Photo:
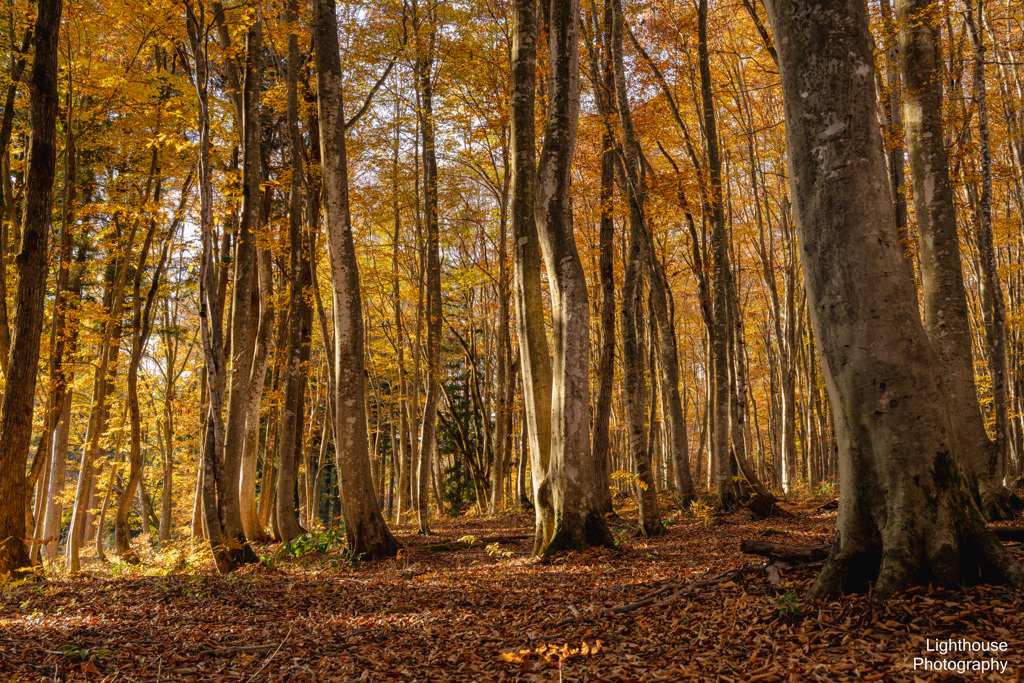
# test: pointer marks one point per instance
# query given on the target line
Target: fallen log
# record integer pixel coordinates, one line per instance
(786, 553)
(465, 542)
(1009, 533)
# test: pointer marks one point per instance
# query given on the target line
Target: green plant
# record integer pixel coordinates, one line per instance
(459, 492)
(82, 653)
(313, 542)
(788, 605)
(825, 490)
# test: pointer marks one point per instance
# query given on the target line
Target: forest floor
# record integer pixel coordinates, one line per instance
(476, 611)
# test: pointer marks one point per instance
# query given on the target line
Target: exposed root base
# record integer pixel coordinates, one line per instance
(592, 532)
(763, 507)
(383, 544)
(645, 531)
(1000, 504)
(981, 559)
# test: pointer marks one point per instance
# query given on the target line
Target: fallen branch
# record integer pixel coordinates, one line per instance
(476, 542)
(679, 591)
(265, 663)
(787, 553)
(234, 649)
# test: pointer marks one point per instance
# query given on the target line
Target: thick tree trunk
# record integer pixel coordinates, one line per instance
(364, 525)
(19, 389)
(905, 516)
(579, 521)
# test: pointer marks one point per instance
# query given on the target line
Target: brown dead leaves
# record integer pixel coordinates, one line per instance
(473, 613)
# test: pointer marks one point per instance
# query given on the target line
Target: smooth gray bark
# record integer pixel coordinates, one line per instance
(365, 528)
(905, 515)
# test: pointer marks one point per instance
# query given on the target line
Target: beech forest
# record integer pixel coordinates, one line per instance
(506, 340)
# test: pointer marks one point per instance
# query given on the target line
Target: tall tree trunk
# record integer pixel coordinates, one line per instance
(579, 521)
(219, 491)
(19, 389)
(506, 384)
(58, 469)
(139, 336)
(905, 515)
(533, 344)
(724, 485)
(365, 528)
(287, 520)
(254, 531)
(946, 318)
(428, 428)
(606, 267)
(894, 107)
(109, 350)
(631, 180)
(993, 302)
(65, 329)
(241, 354)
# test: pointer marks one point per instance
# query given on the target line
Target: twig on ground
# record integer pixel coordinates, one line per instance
(258, 671)
(232, 649)
(678, 590)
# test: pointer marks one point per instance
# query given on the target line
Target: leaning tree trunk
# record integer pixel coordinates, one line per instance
(365, 529)
(20, 388)
(579, 518)
(533, 344)
(905, 515)
(946, 318)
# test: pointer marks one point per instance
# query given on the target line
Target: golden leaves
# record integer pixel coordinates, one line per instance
(553, 653)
